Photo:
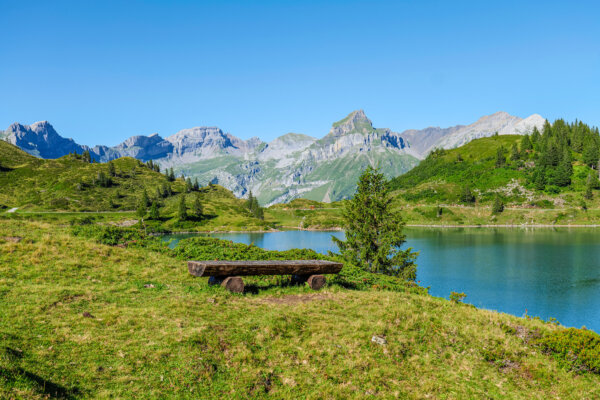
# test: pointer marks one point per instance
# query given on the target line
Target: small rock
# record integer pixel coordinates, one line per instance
(14, 239)
(211, 300)
(87, 315)
(148, 285)
(379, 340)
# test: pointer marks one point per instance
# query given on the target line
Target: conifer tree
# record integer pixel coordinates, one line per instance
(514, 152)
(374, 231)
(466, 195)
(498, 205)
(196, 185)
(197, 207)
(145, 198)
(189, 186)
(141, 209)
(154, 214)
(500, 159)
(182, 209)
(526, 144)
(590, 153)
(86, 157)
(111, 169)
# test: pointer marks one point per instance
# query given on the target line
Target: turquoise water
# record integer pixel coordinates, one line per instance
(544, 272)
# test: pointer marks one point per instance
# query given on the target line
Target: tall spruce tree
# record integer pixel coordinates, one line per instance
(111, 169)
(500, 158)
(498, 205)
(141, 209)
(154, 214)
(197, 207)
(514, 152)
(182, 209)
(374, 231)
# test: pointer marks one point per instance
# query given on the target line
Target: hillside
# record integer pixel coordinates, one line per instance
(70, 184)
(82, 319)
(548, 169)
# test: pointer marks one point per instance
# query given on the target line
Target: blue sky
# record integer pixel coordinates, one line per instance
(101, 72)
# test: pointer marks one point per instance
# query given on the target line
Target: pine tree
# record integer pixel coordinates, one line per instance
(526, 144)
(197, 207)
(535, 136)
(539, 179)
(189, 186)
(111, 169)
(466, 195)
(500, 159)
(590, 153)
(154, 214)
(498, 205)
(145, 198)
(196, 185)
(514, 152)
(141, 209)
(86, 157)
(374, 231)
(182, 210)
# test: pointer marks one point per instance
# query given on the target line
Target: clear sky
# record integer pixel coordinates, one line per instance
(101, 72)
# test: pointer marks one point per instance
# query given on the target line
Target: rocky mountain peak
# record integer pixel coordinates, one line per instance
(355, 122)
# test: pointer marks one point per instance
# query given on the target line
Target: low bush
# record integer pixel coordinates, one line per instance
(577, 349)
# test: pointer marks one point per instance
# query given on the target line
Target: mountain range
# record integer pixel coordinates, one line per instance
(291, 166)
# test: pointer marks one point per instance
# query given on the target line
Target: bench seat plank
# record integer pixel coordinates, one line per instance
(269, 267)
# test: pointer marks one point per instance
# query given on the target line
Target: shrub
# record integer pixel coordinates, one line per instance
(578, 349)
(457, 297)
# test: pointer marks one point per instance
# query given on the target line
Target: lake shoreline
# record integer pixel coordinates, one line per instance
(338, 229)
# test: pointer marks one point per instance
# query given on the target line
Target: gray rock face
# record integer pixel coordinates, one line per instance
(41, 140)
(291, 166)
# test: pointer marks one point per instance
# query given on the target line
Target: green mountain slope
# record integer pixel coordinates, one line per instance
(553, 168)
(71, 184)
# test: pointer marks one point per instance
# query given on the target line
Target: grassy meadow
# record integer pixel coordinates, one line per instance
(84, 319)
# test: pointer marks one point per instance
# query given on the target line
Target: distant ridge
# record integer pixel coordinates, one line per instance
(292, 165)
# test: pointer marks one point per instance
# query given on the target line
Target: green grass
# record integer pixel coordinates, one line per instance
(151, 330)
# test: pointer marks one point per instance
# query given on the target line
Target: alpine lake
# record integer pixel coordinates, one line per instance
(539, 272)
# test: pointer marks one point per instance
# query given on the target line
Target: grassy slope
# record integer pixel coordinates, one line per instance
(66, 184)
(184, 339)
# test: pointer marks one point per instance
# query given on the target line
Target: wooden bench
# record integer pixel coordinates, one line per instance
(228, 273)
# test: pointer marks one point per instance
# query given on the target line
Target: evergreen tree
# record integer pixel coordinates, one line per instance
(590, 153)
(111, 169)
(141, 209)
(539, 179)
(145, 198)
(374, 231)
(86, 157)
(196, 185)
(500, 159)
(182, 209)
(466, 195)
(498, 205)
(154, 214)
(197, 207)
(170, 174)
(526, 144)
(189, 186)
(535, 136)
(514, 152)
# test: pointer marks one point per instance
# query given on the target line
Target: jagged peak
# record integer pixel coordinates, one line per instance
(356, 121)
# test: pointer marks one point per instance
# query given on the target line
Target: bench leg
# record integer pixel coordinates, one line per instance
(234, 284)
(316, 282)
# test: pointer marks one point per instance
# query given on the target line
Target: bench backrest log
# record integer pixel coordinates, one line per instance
(270, 267)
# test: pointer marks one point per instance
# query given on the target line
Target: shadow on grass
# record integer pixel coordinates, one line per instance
(13, 377)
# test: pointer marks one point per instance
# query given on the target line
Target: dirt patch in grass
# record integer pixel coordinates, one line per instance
(295, 298)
